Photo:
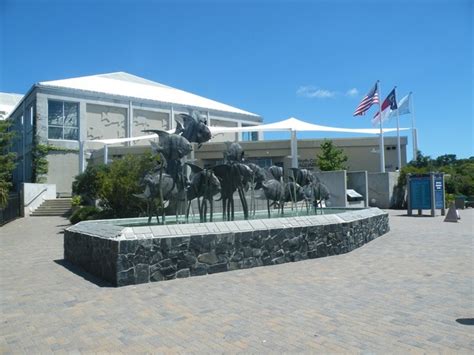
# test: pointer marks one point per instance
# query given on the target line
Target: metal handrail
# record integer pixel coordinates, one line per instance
(38, 195)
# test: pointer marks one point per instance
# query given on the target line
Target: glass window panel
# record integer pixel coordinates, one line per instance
(71, 133)
(55, 113)
(55, 133)
(70, 114)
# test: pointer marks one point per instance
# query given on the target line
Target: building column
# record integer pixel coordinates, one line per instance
(23, 138)
(130, 122)
(81, 157)
(106, 154)
(171, 123)
(294, 150)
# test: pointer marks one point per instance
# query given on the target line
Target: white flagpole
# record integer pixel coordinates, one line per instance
(413, 129)
(381, 145)
(399, 154)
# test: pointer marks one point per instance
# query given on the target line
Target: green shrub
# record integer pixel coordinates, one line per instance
(76, 200)
(89, 183)
(84, 214)
(114, 185)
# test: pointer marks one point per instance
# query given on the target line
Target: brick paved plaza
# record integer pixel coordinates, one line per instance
(402, 292)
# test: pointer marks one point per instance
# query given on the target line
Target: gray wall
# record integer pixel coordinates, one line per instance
(63, 167)
(358, 181)
(382, 189)
(35, 194)
(337, 185)
(134, 255)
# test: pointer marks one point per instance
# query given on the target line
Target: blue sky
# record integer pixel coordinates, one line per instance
(313, 60)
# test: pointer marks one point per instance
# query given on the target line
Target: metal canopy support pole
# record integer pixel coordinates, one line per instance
(106, 154)
(294, 150)
(81, 157)
(381, 145)
(413, 128)
(399, 154)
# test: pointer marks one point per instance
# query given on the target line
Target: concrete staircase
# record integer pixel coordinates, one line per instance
(57, 207)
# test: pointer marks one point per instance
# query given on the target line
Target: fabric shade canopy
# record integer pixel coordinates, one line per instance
(294, 124)
(290, 124)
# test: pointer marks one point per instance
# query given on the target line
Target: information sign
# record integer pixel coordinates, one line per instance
(420, 192)
(439, 191)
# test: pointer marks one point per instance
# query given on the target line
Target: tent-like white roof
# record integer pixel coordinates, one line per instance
(294, 124)
(8, 102)
(131, 86)
(290, 124)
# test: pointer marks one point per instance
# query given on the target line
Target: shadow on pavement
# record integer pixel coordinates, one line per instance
(465, 321)
(414, 215)
(84, 274)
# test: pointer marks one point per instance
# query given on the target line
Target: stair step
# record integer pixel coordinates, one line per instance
(56, 207)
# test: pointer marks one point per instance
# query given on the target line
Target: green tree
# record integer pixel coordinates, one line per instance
(7, 161)
(421, 161)
(331, 157)
(444, 160)
(459, 172)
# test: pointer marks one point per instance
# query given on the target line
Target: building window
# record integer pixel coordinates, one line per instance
(250, 136)
(63, 120)
(261, 162)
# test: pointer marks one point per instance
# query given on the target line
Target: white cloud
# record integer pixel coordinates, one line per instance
(314, 92)
(352, 92)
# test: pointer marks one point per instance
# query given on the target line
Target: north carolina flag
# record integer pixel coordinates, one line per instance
(388, 105)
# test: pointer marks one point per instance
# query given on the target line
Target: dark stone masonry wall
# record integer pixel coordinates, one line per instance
(139, 258)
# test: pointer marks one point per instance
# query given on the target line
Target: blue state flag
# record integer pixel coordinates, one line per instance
(403, 107)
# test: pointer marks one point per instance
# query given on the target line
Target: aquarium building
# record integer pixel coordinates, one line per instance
(63, 113)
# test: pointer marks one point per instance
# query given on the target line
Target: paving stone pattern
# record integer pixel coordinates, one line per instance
(400, 293)
(157, 253)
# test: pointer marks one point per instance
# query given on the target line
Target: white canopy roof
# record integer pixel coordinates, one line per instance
(127, 85)
(8, 102)
(294, 124)
(290, 124)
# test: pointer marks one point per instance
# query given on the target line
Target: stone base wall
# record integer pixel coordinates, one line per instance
(140, 255)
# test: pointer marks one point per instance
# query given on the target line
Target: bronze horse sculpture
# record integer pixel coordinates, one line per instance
(233, 175)
(172, 149)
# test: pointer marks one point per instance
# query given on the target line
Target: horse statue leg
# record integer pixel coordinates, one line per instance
(232, 207)
(211, 205)
(243, 200)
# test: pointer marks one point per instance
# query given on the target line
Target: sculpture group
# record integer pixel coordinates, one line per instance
(169, 182)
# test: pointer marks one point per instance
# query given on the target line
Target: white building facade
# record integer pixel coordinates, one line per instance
(63, 114)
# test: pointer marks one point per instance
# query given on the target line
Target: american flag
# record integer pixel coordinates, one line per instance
(371, 98)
